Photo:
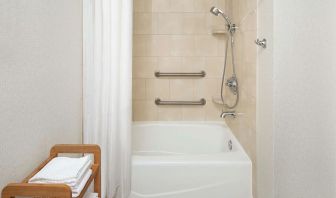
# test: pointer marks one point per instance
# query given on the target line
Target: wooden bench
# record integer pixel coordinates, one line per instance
(58, 190)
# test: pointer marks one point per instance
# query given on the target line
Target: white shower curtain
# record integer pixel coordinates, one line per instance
(107, 54)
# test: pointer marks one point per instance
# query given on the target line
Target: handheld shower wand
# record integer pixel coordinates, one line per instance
(216, 11)
(232, 82)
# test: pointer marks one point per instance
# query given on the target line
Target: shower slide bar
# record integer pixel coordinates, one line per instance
(158, 101)
(179, 74)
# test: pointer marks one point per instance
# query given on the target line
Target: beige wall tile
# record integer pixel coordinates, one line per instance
(144, 67)
(161, 45)
(195, 23)
(207, 88)
(182, 45)
(223, 4)
(139, 89)
(170, 23)
(250, 48)
(213, 111)
(193, 64)
(203, 5)
(144, 110)
(239, 46)
(182, 89)
(160, 5)
(248, 79)
(242, 8)
(143, 23)
(142, 45)
(215, 22)
(170, 64)
(142, 5)
(178, 40)
(214, 66)
(249, 22)
(181, 5)
(206, 46)
(235, 11)
(157, 88)
(169, 113)
(193, 113)
(221, 44)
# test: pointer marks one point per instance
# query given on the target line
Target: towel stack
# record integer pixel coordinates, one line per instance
(74, 172)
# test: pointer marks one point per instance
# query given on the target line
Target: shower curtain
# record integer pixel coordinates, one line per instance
(107, 72)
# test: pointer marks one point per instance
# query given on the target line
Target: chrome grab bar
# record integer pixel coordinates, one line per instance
(179, 74)
(158, 101)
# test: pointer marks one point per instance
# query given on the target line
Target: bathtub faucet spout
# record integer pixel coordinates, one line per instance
(228, 113)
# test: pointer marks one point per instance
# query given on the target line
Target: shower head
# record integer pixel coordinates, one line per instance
(216, 11)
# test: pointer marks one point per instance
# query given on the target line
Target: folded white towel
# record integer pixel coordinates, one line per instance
(63, 170)
(78, 189)
(91, 195)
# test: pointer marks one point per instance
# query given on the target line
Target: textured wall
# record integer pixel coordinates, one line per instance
(304, 99)
(175, 36)
(264, 124)
(40, 81)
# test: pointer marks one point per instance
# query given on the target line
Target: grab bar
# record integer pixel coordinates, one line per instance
(158, 101)
(179, 74)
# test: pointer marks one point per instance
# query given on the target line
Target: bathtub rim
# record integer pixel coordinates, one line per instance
(240, 156)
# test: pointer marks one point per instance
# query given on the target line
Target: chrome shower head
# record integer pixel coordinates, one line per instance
(216, 11)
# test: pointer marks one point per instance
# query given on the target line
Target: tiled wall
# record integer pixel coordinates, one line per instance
(175, 36)
(244, 127)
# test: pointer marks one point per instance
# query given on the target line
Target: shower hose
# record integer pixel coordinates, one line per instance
(230, 38)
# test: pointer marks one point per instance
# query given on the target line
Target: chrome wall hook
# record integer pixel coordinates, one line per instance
(262, 43)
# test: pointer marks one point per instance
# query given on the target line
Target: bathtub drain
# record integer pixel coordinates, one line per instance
(230, 145)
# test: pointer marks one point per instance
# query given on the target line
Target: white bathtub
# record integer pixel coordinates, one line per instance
(188, 160)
